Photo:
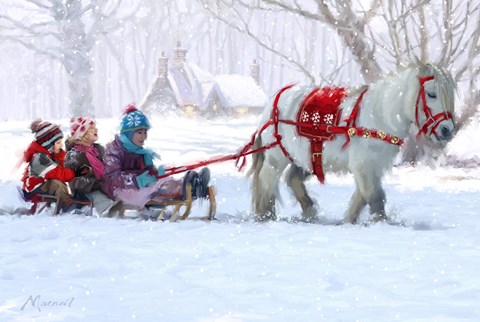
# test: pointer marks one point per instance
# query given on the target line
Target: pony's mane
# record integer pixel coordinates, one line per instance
(444, 82)
(443, 79)
(398, 90)
(425, 69)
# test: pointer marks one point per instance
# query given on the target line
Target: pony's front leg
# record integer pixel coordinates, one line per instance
(357, 203)
(377, 205)
(369, 191)
(376, 198)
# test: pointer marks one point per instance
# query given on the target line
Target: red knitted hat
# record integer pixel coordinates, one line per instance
(79, 126)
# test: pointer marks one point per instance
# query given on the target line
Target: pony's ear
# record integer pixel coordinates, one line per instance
(417, 61)
(424, 68)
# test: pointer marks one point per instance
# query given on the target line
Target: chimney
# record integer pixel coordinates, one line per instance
(179, 55)
(163, 66)
(255, 71)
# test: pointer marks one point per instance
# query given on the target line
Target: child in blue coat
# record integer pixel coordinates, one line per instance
(130, 173)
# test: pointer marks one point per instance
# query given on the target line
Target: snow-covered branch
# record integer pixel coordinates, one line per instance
(65, 30)
(20, 29)
(30, 45)
(339, 15)
(244, 27)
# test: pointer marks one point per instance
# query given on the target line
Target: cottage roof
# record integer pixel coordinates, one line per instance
(158, 97)
(204, 77)
(186, 85)
(239, 91)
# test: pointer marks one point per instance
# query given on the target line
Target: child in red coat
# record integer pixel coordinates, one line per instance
(45, 172)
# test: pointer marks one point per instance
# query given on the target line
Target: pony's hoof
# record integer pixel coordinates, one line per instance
(310, 215)
(349, 220)
(266, 217)
(375, 218)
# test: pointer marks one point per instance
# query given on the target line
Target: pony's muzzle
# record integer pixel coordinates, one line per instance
(444, 133)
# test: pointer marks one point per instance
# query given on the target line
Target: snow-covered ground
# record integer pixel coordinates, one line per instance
(77, 268)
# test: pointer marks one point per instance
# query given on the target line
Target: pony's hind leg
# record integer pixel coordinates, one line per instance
(263, 201)
(266, 190)
(295, 180)
(267, 171)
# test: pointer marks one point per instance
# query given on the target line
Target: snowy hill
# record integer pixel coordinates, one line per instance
(77, 268)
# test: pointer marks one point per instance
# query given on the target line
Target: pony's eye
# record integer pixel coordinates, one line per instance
(432, 94)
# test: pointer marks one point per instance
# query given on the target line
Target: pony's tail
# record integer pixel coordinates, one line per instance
(257, 163)
(257, 159)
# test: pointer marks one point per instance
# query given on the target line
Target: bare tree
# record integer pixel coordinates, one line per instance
(439, 32)
(337, 16)
(381, 37)
(65, 31)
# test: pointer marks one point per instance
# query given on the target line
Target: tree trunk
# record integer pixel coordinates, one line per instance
(363, 54)
(75, 56)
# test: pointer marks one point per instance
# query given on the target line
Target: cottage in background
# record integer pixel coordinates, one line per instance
(186, 88)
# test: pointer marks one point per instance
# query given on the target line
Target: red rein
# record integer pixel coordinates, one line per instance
(431, 121)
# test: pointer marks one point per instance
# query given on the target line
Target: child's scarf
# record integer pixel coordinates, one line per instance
(92, 156)
(148, 154)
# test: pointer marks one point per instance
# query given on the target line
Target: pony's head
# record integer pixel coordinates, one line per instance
(434, 106)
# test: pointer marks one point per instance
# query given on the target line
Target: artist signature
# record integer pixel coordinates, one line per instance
(39, 303)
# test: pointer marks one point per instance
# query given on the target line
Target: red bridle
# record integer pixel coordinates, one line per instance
(431, 121)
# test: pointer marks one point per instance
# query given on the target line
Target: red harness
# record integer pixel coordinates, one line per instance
(328, 127)
(319, 132)
(323, 130)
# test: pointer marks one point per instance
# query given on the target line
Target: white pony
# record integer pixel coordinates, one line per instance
(362, 136)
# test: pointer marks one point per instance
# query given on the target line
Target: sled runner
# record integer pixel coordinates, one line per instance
(41, 201)
(177, 205)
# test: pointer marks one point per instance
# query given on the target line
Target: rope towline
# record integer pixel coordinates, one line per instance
(240, 158)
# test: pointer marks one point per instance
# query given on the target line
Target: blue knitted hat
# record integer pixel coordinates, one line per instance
(132, 120)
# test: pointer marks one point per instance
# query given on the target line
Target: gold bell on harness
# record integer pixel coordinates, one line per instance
(381, 135)
(367, 134)
(352, 132)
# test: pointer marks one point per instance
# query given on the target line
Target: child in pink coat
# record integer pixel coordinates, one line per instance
(83, 150)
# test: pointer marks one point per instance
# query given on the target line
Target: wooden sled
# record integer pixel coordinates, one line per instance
(177, 204)
(41, 201)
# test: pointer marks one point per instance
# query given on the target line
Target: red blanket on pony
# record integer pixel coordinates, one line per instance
(319, 110)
